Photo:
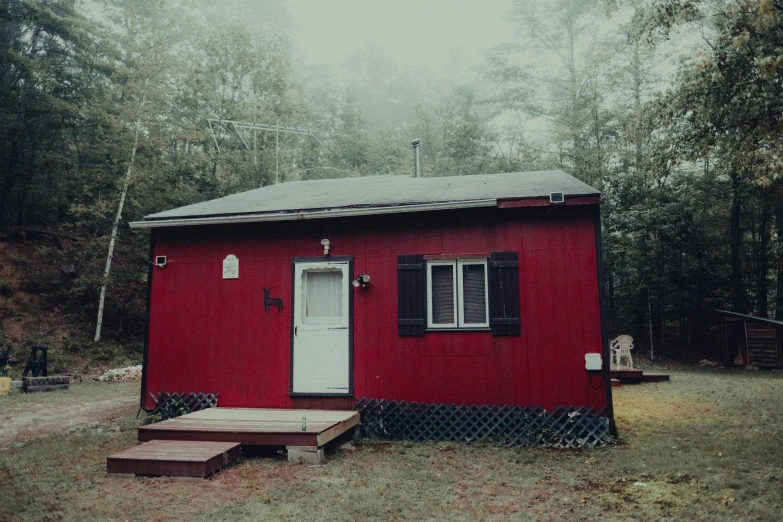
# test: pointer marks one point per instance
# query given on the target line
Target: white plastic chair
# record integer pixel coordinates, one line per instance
(621, 348)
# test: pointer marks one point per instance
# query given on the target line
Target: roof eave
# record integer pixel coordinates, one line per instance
(310, 214)
(571, 200)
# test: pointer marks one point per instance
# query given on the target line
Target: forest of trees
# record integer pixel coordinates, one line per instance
(672, 108)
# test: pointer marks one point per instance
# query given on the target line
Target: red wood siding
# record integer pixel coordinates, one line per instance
(210, 334)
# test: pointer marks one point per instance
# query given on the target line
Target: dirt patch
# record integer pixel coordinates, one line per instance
(31, 424)
(25, 417)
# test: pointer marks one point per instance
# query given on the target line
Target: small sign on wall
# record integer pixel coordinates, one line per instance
(231, 267)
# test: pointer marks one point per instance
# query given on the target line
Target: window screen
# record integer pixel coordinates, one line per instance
(323, 294)
(474, 293)
(443, 294)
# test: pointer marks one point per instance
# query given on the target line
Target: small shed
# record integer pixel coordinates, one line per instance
(752, 341)
(386, 294)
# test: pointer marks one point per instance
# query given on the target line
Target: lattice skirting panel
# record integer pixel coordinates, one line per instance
(511, 425)
(169, 405)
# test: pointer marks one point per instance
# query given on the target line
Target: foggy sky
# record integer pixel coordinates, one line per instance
(444, 37)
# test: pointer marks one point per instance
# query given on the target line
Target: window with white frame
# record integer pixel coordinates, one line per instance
(457, 293)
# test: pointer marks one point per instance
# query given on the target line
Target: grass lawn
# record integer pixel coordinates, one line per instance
(708, 446)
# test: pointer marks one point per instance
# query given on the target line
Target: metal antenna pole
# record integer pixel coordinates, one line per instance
(239, 129)
(255, 133)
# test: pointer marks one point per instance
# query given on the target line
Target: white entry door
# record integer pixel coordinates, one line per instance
(321, 344)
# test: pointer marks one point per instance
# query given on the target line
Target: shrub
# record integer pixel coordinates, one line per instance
(21, 260)
(40, 280)
(6, 289)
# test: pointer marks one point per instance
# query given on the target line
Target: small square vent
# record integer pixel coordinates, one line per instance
(593, 361)
(556, 197)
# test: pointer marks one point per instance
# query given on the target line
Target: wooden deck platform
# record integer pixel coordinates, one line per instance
(254, 426)
(627, 375)
(174, 458)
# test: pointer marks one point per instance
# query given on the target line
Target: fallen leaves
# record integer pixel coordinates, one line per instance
(726, 500)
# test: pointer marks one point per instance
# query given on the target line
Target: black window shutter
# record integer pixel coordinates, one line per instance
(504, 294)
(411, 295)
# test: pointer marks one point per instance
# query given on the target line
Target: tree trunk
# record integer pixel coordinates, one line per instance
(5, 86)
(6, 197)
(762, 269)
(650, 323)
(735, 241)
(24, 186)
(662, 269)
(117, 219)
(610, 282)
(778, 206)
(114, 236)
(637, 97)
(213, 188)
(698, 317)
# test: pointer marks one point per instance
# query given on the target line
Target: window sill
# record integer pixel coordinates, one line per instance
(314, 394)
(463, 330)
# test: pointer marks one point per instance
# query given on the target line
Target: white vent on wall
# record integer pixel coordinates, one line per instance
(593, 361)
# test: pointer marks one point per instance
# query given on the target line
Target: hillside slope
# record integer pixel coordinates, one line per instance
(48, 297)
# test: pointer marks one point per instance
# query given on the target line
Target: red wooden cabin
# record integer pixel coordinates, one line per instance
(482, 290)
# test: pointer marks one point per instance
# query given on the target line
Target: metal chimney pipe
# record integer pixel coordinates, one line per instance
(417, 156)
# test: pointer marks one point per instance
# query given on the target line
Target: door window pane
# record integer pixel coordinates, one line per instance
(443, 294)
(323, 294)
(474, 301)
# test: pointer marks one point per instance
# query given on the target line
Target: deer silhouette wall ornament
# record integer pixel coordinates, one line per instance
(269, 302)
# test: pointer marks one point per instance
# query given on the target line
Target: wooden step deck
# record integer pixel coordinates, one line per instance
(633, 376)
(254, 426)
(174, 458)
(655, 377)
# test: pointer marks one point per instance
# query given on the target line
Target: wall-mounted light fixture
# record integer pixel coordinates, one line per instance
(160, 261)
(361, 280)
(326, 244)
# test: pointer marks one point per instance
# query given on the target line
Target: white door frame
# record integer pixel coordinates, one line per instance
(346, 264)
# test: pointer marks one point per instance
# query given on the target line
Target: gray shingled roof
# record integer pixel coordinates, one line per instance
(370, 195)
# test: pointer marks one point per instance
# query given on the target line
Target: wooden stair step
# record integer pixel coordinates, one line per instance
(176, 458)
(654, 377)
(628, 376)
